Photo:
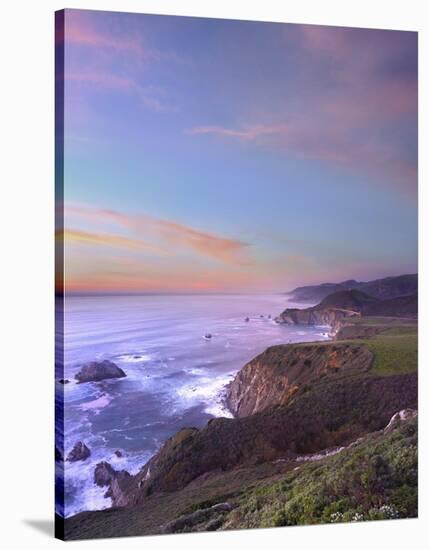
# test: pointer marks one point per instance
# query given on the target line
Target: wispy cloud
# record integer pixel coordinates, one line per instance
(104, 239)
(108, 81)
(81, 31)
(168, 235)
(104, 61)
(247, 133)
(329, 140)
(350, 104)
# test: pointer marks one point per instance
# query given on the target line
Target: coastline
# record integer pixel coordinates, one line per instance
(137, 363)
(286, 417)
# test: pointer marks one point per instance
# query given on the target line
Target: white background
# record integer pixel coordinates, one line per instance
(27, 271)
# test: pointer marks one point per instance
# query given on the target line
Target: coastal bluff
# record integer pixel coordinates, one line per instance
(327, 403)
(337, 308)
(275, 376)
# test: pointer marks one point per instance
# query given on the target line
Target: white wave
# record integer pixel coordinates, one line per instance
(132, 463)
(196, 371)
(96, 404)
(79, 480)
(134, 358)
(209, 391)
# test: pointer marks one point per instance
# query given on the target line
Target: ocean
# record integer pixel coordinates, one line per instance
(175, 376)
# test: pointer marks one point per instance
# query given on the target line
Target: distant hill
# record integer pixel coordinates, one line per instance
(389, 287)
(345, 304)
(348, 299)
(402, 306)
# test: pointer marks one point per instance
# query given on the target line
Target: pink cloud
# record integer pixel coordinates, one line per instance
(109, 81)
(168, 235)
(348, 108)
(326, 40)
(102, 239)
(249, 133)
(328, 139)
(79, 30)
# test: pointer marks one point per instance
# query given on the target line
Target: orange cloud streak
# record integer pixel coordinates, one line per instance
(115, 241)
(212, 246)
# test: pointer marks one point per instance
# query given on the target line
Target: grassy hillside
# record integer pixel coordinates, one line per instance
(394, 347)
(252, 467)
(376, 479)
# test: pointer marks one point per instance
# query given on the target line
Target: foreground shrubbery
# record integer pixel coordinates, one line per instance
(376, 479)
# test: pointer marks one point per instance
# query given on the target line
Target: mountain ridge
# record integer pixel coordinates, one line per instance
(384, 288)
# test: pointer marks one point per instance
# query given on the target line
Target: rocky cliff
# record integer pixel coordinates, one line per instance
(373, 477)
(330, 413)
(293, 404)
(276, 375)
(335, 308)
(311, 316)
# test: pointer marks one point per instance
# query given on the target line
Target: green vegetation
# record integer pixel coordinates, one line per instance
(386, 322)
(394, 347)
(250, 462)
(395, 351)
(372, 479)
(376, 479)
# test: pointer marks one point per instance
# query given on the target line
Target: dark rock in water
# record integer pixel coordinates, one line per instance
(79, 452)
(207, 336)
(137, 356)
(247, 319)
(118, 453)
(103, 474)
(63, 381)
(120, 483)
(99, 370)
(261, 316)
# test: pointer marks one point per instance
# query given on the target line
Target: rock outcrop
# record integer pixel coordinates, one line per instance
(99, 370)
(375, 476)
(335, 308)
(120, 484)
(311, 316)
(397, 418)
(277, 374)
(79, 452)
(332, 413)
(331, 311)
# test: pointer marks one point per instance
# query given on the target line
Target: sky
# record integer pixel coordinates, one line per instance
(208, 155)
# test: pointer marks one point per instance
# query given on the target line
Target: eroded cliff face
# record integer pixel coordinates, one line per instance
(291, 400)
(312, 316)
(276, 375)
(332, 412)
